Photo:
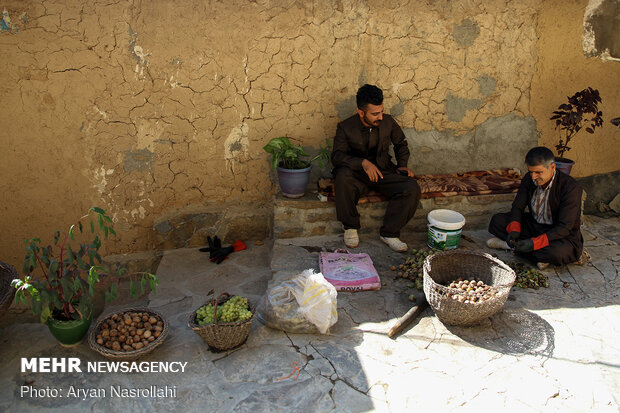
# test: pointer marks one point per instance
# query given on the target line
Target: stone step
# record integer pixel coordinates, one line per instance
(308, 216)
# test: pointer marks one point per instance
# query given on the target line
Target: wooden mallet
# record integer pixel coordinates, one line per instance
(408, 317)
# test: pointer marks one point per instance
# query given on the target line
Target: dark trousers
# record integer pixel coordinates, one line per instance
(403, 194)
(558, 252)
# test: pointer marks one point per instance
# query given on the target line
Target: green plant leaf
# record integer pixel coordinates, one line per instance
(98, 210)
(20, 298)
(67, 286)
(70, 253)
(133, 290)
(92, 226)
(110, 294)
(81, 264)
(80, 227)
(93, 278)
(112, 231)
(71, 232)
(46, 313)
(53, 269)
(91, 257)
(143, 282)
(153, 283)
(37, 306)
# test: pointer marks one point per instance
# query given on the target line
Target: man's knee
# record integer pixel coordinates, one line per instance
(414, 189)
(498, 224)
(343, 175)
(411, 190)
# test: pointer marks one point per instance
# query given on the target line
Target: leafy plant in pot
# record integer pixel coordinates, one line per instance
(72, 273)
(293, 170)
(580, 112)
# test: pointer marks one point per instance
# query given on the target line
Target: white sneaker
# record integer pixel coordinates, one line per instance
(395, 243)
(498, 244)
(542, 265)
(351, 239)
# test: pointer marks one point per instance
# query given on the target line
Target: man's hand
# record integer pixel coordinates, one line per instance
(374, 174)
(512, 238)
(525, 245)
(408, 171)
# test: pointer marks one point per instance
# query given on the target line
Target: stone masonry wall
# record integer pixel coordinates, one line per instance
(157, 111)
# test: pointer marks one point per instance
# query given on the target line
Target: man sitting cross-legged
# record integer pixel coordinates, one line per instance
(548, 233)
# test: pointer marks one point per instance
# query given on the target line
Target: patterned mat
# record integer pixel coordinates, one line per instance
(492, 181)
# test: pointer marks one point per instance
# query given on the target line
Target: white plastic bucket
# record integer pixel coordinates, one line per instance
(444, 229)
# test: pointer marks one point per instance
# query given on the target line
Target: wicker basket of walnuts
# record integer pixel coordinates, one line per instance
(465, 287)
(128, 334)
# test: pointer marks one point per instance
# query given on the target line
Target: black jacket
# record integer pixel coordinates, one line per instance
(351, 148)
(564, 202)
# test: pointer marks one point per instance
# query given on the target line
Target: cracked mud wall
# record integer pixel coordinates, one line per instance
(158, 111)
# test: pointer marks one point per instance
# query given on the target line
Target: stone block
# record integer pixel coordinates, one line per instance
(255, 227)
(147, 261)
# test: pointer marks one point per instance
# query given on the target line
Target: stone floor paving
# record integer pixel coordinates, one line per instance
(554, 349)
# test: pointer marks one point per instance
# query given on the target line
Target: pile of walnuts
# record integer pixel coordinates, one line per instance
(470, 290)
(127, 331)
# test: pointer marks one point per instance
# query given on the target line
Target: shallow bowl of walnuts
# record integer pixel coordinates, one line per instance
(128, 334)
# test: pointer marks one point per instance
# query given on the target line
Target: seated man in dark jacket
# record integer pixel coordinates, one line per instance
(549, 232)
(361, 162)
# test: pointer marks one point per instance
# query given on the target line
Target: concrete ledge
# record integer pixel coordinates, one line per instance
(307, 216)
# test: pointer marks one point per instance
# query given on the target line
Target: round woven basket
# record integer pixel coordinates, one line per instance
(223, 336)
(127, 355)
(7, 291)
(443, 267)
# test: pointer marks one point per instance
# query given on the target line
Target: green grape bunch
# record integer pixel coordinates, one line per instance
(234, 310)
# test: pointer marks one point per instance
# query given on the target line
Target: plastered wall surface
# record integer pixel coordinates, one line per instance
(564, 69)
(159, 110)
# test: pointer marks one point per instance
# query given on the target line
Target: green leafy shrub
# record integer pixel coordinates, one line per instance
(285, 155)
(72, 271)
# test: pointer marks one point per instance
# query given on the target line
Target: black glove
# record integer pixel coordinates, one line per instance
(222, 254)
(512, 238)
(215, 245)
(525, 245)
(217, 254)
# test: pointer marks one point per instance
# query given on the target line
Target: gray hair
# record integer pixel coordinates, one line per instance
(539, 155)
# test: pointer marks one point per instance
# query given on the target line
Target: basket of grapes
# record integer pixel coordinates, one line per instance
(223, 323)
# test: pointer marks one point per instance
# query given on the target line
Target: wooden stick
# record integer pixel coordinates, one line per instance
(408, 317)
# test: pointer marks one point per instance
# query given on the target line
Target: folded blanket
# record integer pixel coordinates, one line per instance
(493, 181)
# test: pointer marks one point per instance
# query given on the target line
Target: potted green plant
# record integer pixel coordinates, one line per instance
(580, 112)
(72, 272)
(293, 170)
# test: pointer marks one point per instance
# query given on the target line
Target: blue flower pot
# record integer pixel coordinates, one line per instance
(293, 182)
(564, 165)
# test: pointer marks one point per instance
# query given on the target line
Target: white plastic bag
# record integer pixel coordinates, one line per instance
(302, 304)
